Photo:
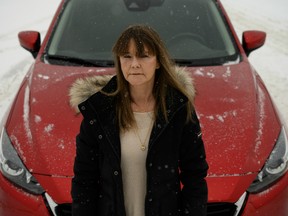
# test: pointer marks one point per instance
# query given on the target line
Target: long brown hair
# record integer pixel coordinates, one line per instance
(144, 35)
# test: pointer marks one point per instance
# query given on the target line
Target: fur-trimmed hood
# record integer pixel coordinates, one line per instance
(83, 88)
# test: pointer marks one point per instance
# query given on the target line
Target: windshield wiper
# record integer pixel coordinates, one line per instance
(208, 61)
(184, 62)
(70, 60)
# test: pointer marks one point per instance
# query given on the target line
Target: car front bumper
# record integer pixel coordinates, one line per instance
(273, 201)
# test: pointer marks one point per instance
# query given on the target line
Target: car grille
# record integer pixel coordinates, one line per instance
(214, 209)
(63, 210)
(221, 209)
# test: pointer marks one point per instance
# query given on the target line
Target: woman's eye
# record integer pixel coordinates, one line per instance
(144, 56)
(126, 56)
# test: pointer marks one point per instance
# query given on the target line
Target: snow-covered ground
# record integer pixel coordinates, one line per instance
(271, 61)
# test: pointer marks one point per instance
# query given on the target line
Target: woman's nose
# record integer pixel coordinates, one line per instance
(135, 62)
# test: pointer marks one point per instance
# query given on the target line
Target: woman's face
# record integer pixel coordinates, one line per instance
(138, 69)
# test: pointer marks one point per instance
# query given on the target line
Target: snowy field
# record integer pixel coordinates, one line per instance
(271, 61)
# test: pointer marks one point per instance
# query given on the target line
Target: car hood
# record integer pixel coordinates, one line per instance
(238, 120)
(232, 104)
(42, 125)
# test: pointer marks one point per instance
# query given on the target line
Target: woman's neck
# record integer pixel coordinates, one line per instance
(142, 100)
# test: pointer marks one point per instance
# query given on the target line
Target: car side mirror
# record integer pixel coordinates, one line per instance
(252, 40)
(31, 41)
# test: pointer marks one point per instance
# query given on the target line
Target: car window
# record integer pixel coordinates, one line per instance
(194, 31)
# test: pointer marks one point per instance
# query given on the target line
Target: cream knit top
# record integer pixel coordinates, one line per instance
(133, 160)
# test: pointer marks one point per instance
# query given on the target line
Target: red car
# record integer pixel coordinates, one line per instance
(244, 135)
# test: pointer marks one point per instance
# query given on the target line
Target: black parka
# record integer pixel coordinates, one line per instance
(175, 154)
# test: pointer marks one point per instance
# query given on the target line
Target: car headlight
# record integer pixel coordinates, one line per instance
(275, 167)
(13, 169)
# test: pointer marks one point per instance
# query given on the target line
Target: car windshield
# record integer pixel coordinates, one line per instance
(194, 31)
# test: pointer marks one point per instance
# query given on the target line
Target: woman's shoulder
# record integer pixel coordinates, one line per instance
(83, 88)
(184, 77)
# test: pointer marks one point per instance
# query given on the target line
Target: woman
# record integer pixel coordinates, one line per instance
(139, 128)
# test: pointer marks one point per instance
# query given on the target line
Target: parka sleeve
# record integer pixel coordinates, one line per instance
(84, 182)
(193, 170)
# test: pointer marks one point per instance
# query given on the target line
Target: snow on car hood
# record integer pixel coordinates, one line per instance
(42, 125)
(232, 111)
(237, 117)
